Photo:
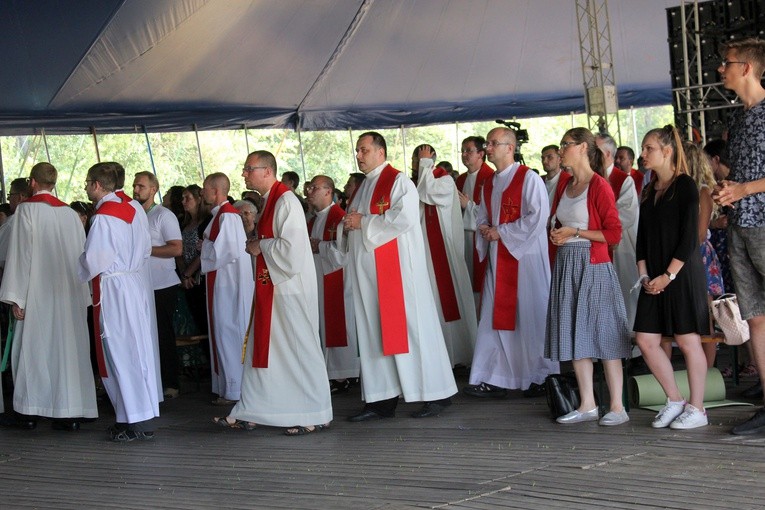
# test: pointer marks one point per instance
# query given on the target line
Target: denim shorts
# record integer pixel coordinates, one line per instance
(746, 247)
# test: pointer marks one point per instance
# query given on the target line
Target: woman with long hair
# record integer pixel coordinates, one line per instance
(700, 170)
(586, 318)
(195, 219)
(673, 299)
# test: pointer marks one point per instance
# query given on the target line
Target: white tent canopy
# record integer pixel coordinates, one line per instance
(168, 65)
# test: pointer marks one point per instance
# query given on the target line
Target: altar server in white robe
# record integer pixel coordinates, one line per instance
(229, 288)
(51, 347)
(401, 345)
(512, 220)
(285, 380)
(143, 221)
(116, 252)
(443, 233)
(337, 324)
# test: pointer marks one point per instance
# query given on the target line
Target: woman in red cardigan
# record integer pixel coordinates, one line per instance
(586, 318)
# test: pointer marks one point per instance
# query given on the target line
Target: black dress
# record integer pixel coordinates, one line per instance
(669, 229)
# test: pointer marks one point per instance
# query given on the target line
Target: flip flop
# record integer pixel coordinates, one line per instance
(299, 430)
(236, 424)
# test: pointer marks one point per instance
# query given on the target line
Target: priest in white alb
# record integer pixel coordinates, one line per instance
(442, 229)
(469, 187)
(512, 221)
(336, 319)
(117, 250)
(229, 288)
(401, 346)
(285, 380)
(50, 356)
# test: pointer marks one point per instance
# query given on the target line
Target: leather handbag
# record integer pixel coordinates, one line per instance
(562, 394)
(728, 317)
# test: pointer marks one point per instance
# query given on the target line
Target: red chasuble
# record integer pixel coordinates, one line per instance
(226, 208)
(506, 279)
(46, 198)
(443, 274)
(264, 287)
(334, 298)
(485, 174)
(126, 213)
(390, 286)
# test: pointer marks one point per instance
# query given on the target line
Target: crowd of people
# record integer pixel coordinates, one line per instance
(396, 279)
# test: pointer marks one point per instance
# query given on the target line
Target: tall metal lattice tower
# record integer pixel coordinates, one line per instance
(597, 67)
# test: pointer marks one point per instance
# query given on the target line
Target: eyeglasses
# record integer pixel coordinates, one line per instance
(311, 188)
(468, 151)
(249, 169)
(494, 143)
(564, 145)
(89, 181)
(726, 62)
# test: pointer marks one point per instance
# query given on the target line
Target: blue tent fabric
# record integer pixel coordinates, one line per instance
(168, 65)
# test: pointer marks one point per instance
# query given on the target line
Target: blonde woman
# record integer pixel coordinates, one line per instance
(700, 169)
(673, 298)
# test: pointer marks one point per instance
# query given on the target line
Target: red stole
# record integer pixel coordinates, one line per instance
(335, 331)
(264, 287)
(443, 274)
(126, 213)
(122, 195)
(390, 286)
(616, 180)
(485, 174)
(506, 279)
(214, 231)
(46, 198)
(638, 178)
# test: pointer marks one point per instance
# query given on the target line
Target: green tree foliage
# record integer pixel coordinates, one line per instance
(178, 160)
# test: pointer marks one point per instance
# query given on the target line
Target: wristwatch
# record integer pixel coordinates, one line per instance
(671, 276)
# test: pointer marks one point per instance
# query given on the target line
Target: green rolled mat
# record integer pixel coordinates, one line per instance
(645, 391)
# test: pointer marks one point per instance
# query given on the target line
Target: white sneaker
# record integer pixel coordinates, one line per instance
(690, 419)
(668, 413)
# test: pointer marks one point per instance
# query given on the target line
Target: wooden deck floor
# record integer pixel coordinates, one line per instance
(500, 454)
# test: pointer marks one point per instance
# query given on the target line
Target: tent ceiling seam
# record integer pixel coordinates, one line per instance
(85, 54)
(353, 27)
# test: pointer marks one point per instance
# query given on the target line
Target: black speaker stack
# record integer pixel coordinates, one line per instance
(718, 21)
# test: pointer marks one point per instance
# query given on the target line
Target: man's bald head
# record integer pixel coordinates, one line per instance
(219, 181)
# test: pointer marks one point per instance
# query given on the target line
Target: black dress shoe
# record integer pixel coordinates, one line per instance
(430, 409)
(367, 415)
(17, 421)
(754, 425)
(71, 425)
(754, 391)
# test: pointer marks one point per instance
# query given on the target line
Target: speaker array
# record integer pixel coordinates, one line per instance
(718, 21)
